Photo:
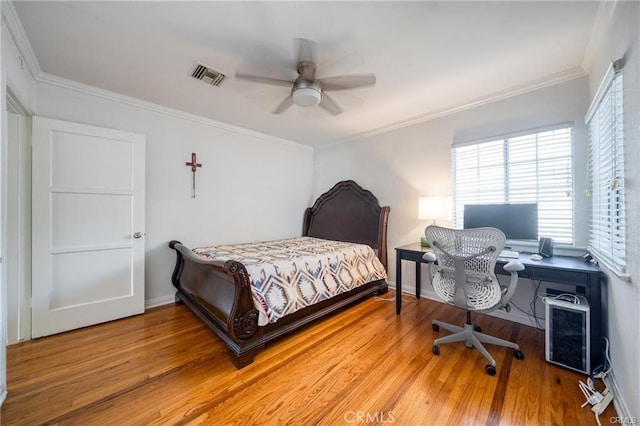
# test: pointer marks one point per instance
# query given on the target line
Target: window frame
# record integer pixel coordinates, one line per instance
(531, 192)
(605, 170)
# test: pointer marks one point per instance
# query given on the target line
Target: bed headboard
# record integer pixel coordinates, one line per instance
(347, 212)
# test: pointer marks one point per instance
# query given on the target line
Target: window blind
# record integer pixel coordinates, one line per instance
(606, 173)
(534, 167)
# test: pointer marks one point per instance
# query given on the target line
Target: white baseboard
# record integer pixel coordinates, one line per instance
(159, 301)
(620, 405)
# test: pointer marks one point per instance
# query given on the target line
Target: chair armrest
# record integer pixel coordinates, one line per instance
(513, 266)
(429, 257)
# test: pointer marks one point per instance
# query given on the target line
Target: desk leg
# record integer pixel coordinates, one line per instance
(593, 293)
(398, 283)
(418, 279)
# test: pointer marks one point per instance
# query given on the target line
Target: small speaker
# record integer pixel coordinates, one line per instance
(545, 247)
(567, 334)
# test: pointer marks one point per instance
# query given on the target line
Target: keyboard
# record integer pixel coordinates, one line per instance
(510, 254)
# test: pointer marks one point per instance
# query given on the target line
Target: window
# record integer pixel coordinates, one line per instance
(606, 172)
(534, 167)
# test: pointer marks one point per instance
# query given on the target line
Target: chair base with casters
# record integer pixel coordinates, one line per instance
(462, 274)
(473, 337)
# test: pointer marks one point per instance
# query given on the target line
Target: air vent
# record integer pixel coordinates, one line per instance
(207, 75)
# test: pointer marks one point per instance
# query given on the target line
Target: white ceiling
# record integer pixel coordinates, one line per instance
(428, 57)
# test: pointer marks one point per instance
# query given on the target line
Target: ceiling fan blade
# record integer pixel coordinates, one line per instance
(265, 80)
(283, 106)
(306, 50)
(347, 82)
(330, 105)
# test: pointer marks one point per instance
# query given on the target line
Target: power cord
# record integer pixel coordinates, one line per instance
(567, 297)
(532, 306)
(531, 313)
(598, 400)
(592, 395)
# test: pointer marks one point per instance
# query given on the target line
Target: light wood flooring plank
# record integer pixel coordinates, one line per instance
(361, 365)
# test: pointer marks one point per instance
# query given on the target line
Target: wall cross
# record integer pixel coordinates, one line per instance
(194, 167)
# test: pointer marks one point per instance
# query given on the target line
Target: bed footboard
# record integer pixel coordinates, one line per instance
(220, 294)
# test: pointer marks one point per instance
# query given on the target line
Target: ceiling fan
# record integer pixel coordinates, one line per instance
(307, 90)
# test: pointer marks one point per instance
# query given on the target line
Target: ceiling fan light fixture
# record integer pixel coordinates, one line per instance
(306, 97)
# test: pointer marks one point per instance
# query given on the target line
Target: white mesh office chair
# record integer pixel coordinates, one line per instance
(464, 276)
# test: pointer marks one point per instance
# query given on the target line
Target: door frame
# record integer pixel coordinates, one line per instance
(18, 248)
(9, 102)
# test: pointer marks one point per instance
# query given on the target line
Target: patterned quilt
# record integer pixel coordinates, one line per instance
(288, 275)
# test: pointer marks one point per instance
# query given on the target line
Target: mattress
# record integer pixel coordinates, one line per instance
(291, 274)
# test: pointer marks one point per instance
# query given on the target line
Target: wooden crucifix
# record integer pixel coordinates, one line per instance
(194, 165)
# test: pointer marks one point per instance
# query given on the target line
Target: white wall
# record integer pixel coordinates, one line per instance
(401, 165)
(250, 187)
(621, 38)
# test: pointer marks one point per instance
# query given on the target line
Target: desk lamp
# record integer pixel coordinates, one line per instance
(433, 208)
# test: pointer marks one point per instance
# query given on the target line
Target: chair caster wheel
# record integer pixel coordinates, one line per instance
(477, 329)
(518, 354)
(435, 327)
(490, 369)
(436, 350)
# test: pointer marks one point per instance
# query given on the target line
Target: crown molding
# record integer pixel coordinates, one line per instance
(14, 25)
(551, 80)
(64, 83)
(14, 104)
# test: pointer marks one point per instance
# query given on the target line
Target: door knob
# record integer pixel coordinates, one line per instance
(137, 235)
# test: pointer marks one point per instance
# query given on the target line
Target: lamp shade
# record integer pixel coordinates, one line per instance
(434, 208)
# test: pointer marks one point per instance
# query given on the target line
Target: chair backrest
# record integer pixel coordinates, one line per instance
(463, 255)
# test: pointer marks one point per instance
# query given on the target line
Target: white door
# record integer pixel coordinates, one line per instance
(87, 225)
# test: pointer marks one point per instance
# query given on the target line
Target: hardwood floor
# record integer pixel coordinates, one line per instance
(363, 365)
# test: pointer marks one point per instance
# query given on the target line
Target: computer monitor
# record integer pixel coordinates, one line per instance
(517, 221)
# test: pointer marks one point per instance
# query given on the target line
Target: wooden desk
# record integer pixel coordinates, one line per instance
(587, 278)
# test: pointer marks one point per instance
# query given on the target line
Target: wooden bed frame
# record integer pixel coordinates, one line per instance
(220, 294)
